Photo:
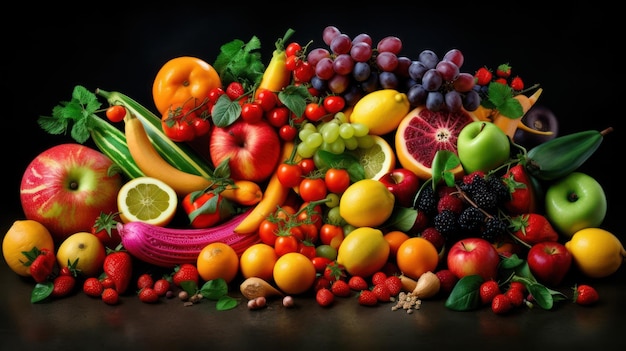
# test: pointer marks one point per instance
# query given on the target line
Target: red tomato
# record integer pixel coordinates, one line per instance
(307, 249)
(334, 103)
(293, 49)
(314, 111)
(313, 215)
(330, 231)
(251, 112)
(215, 94)
(267, 99)
(288, 132)
(285, 244)
(292, 62)
(337, 180)
(307, 165)
(201, 126)
(289, 174)
(178, 131)
(278, 116)
(116, 113)
(203, 211)
(320, 263)
(304, 72)
(267, 232)
(312, 189)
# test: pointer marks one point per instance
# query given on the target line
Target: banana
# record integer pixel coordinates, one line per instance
(153, 165)
(275, 195)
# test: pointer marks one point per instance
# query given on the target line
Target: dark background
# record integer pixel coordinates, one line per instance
(569, 51)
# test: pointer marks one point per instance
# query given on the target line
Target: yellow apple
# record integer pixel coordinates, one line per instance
(86, 250)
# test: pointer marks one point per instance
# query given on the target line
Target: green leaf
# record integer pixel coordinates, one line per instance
(346, 160)
(214, 289)
(225, 112)
(226, 303)
(295, 98)
(240, 62)
(41, 292)
(443, 164)
(511, 108)
(465, 296)
(500, 98)
(189, 286)
(541, 295)
(402, 219)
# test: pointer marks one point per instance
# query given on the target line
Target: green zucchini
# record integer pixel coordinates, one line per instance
(112, 142)
(562, 155)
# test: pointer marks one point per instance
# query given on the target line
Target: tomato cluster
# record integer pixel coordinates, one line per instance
(186, 121)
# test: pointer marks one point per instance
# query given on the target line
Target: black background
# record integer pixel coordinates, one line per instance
(568, 51)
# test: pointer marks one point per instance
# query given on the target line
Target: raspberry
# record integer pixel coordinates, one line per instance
(434, 236)
(447, 281)
(450, 202)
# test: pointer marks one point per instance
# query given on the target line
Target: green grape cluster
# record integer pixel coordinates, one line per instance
(336, 135)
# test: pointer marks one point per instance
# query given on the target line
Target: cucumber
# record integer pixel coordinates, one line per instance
(112, 142)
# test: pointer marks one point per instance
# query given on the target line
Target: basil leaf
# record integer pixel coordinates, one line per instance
(465, 296)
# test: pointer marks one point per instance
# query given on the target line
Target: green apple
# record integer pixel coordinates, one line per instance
(575, 202)
(482, 146)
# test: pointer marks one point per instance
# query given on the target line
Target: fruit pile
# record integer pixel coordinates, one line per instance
(344, 170)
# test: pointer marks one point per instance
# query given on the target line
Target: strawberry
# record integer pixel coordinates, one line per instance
(503, 71)
(450, 202)
(517, 83)
(382, 292)
(92, 286)
(107, 282)
(321, 282)
(447, 281)
(501, 304)
(501, 81)
(110, 296)
(334, 271)
(516, 296)
(518, 285)
(234, 90)
(118, 266)
(483, 76)
(105, 228)
(519, 184)
(63, 285)
(367, 298)
(533, 228)
(488, 290)
(145, 280)
(357, 283)
(340, 288)
(378, 278)
(394, 284)
(585, 295)
(185, 272)
(324, 297)
(434, 236)
(42, 263)
(148, 295)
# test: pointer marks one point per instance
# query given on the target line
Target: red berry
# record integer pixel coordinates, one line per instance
(394, 284)
(483, 76)
(434, 236)
(92, 286)
(161, 286)
(382, 292)
(357, 283)
(340, 288)
(503, 71)
(585, 295)
(148, 295)
(488, 290)
(324, 297)
(110, 296)
(63, 285)
(516, 296)
(368, 298)
(447, 281)
(378, 278)
(501, 304)
(517, 84)
(144, 280)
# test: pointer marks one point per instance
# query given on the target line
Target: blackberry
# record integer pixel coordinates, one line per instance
(446, 222)
(499, 188)
(427, 201)
(471, 220)
(494, 227)
(486, 200)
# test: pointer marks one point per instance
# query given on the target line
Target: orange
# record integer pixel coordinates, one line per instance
(395, 238)
(416, 256)
(294, 273)
(21, 237)
(84, 249)
(218, 260)
(258, 261)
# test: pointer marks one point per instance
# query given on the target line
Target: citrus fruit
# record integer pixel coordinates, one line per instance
(395, 238)
(147, 199)
(377, 159)
(422, 133)
(294, 273)
(218, 260)
(416, 256)
(381, 110)
(596, 252)
(23, 236)
(258, 261)
(366, 203)
(84, 250)
(363, 252)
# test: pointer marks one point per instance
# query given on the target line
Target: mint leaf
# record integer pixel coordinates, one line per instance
(214, 289)
(226, 303)
(500, 98)
(240, 62)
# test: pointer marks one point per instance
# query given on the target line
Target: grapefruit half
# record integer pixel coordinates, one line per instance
(422, 133)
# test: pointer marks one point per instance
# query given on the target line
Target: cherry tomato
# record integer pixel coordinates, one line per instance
(201, 126)
(278, 116)
(313, 215)
(252, 112)
(285, 244)
(292, 62)
(337, 180)
(329, 232)
(215, 94)
(304, 72)
(309, 232)
(312, 189)
(320, 263)
(293, 49)
(288, 132)
(178, 131)
(314, 111)
(307, 249)
(334, 103)
(116, 113)
(267, 99)
(296, 232)
(289, 174)
(203, 211)
(267, 232)
(307, 165)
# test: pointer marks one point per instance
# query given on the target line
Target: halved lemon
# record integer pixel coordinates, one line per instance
(147, 199)
(378, 159)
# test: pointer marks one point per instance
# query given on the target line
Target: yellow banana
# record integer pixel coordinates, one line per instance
(153, 165)
(275, 195)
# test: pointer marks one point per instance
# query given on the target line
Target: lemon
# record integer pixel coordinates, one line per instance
(147, 199)
(381, 110)
(84, 250)
(366, 203)
(23, 236)
(596, 252)
(377, 159)
(364, 252)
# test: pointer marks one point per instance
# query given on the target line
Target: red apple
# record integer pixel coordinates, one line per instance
(67, 186)
(473, 256)
(403, 184)
(253, 149)
(549, 262)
